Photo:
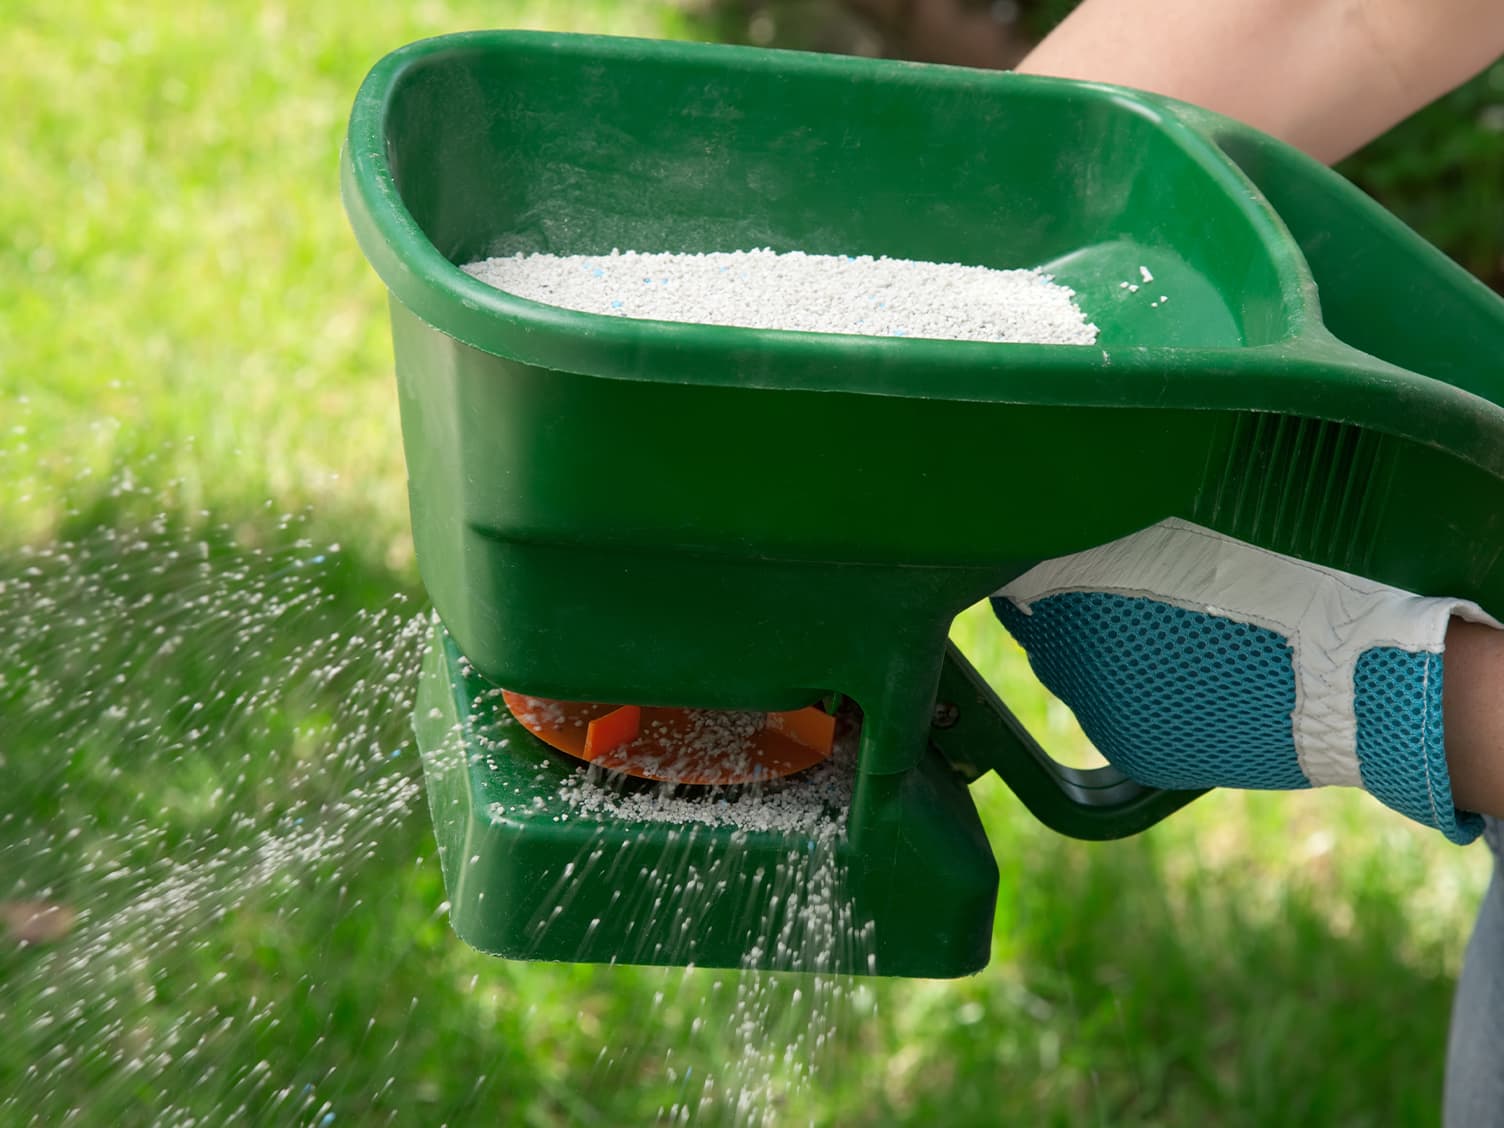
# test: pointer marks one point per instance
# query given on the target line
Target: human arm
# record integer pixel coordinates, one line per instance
(1324, 75)
(1474, 711)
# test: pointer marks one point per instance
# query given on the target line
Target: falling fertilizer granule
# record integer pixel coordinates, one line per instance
(878, 297)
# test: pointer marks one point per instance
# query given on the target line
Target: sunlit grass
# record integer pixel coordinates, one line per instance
(177, 277)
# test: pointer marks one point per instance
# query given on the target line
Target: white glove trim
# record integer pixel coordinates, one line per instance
(1329, 617)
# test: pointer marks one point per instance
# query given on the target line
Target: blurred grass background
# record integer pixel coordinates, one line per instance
(182, 308)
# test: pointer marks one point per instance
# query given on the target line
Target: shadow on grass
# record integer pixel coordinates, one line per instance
(1133, 984)
(208, 755)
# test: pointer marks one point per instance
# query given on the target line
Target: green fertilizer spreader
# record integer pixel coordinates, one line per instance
(663, 514)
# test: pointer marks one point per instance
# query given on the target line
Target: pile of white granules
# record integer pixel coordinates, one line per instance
(877, 297)
(813, 803)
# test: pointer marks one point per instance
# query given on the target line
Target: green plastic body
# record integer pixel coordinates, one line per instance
(620, 510)
(530, 877)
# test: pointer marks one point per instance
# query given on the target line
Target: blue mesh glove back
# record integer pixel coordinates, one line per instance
(1194, 660)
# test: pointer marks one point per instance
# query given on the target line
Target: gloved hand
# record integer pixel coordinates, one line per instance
(1193, 660)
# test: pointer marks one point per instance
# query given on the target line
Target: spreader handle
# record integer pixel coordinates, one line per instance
(977, 733)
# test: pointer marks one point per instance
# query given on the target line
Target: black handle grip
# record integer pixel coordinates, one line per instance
(977, 733)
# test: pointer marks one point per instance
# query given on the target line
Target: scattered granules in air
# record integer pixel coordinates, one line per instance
(812, 803)
(762, 289)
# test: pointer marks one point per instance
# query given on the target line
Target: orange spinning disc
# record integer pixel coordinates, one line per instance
(696, 746)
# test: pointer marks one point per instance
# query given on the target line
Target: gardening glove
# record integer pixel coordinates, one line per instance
(1194, 660)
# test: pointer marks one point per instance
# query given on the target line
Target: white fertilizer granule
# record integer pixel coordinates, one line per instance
(762, 289)
(812, 804)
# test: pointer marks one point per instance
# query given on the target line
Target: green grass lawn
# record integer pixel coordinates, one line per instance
(197, 404)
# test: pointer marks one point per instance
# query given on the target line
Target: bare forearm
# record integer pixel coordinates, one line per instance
(1473, 704)
(1324, 75)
